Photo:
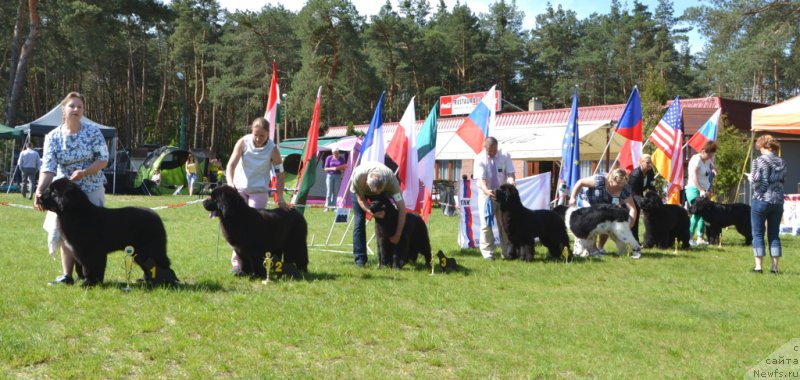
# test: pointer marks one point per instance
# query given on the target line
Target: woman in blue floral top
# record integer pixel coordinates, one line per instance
(77, 151)
(767, 176)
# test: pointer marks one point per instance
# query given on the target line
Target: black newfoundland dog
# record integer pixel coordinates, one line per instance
(601, 219)
(413, 241)
(93, 232)
(718, 216)
(252, 233)
(663, 223)
(523, 226)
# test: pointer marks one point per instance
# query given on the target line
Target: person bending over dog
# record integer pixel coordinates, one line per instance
(611, 188)
(371, 179)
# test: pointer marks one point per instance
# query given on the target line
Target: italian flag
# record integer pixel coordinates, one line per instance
(273, 112)
(426, 152)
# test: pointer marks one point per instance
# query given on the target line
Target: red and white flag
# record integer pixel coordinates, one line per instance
(402, 149)
(272, 114)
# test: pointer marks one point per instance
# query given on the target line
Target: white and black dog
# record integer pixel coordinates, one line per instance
(589, 222)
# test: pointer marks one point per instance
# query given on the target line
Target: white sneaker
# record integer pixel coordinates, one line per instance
(636, 255)
(692, 243)
(700, 241)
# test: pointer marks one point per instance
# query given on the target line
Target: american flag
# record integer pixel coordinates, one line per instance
(668, 136)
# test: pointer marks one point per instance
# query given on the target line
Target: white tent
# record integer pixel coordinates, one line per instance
(54, 118)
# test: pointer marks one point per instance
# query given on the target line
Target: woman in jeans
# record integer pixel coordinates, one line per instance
(767, 178)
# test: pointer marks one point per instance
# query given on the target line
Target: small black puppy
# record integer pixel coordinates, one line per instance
(413, 241)
(663, 223)
(718, 216)
(523, 226)
(93, 232)
(446, 263)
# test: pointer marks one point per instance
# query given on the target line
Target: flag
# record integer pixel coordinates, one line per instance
(668, 158)
(534, 192)
(570, 147)
(630, 127)
(402, 149)
(475, 127)
(308, 174)
(426, 153)
(272, 114)
(372, 149)
(706, 133)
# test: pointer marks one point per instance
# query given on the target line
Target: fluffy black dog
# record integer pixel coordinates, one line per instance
(252, 233)
(663, 223)
(523, 226)
(601, 219)
(93, 232)
(718, 216)
(413, 241)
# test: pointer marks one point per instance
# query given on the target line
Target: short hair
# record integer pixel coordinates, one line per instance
(490, 141)
(335, 150)
(375, 181)
(618, 176)
(645, 157)
(71, 95)
(29, 145)
(768, 142)
(709, 147)
(260, 122)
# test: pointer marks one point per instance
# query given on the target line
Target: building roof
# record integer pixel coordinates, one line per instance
(695, 113)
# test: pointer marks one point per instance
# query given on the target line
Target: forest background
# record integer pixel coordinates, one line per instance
(124, 56)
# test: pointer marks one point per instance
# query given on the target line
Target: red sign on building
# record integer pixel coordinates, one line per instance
(463, 104)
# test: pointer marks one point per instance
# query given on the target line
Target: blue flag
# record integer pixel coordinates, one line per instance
(570, 148)
(373, 149)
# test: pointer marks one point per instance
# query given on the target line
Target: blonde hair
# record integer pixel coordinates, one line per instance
(260, 122)
(71, 95)
(646, 157)
(618, 177)
(768, 142)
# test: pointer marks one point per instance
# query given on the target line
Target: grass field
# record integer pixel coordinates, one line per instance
(700, 314)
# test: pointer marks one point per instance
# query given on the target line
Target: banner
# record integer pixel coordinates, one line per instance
(534, 192)
(790, 223)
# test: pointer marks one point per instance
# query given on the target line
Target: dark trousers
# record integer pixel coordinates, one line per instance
(359, 232)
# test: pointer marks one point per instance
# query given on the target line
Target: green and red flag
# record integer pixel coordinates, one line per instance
(308, 172)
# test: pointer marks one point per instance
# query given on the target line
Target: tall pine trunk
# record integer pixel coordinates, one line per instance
(20, 57)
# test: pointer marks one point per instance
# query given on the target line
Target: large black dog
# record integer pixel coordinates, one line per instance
(663, 223)
(718, 216)
(523, 226)
(93, 232)
(413, 241)
(252, 233)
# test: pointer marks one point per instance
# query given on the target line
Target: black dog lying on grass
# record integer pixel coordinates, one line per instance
(523, 226)
(93, 232)
(413, 241)
(663, 223)
(718, 216)
(252, 233)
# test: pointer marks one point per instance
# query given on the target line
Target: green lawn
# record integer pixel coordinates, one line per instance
(700, 314)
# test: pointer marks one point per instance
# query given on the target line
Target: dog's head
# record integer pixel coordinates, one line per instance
(63, 195)
(651, 201)
(507, 196)
(381, 207)
(224, 201)
(701, 205)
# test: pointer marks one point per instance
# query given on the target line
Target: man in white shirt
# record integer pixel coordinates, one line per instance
(492, 169)
(29, 163)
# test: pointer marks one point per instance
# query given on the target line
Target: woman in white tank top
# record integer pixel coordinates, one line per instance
(249, 167)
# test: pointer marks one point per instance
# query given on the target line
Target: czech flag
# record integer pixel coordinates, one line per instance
(630, 127)
(706, 133)
(475, 127)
